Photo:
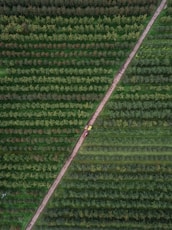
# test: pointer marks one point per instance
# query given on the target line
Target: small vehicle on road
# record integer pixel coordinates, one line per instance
(87, 129)
(85, 133)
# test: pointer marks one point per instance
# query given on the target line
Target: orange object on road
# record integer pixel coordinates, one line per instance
(88, 127)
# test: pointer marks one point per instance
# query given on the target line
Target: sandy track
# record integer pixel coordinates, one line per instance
(117, 78)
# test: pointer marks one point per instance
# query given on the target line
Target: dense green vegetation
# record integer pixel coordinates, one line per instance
(113, 191)
(121, 178)
(57, 59)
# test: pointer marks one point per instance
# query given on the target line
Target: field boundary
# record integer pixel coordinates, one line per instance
(117, 78)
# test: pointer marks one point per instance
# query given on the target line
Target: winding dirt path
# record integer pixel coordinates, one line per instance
(117, 78)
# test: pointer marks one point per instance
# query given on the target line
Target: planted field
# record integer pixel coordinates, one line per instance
(107, 191)
(122, 177)
(56, 62)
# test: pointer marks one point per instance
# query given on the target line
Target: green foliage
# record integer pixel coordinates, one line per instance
(113, 191)
(59, 58)
(121, 178)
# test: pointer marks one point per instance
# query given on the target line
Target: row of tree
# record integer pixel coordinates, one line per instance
(150, 79)
(60, 71)
(14, 28)
(67, 80)
(58, 114)
(28, 96)
(63, 37)
(53, 88)
(139, 105)
(42, 123)
(135, 123)
(96, 11)
(75, 3)
(33, 148)
(40, 131)
(101, 159)
(61, 46)
(47, 106)
(61, 22)
(60, 55)
(74, 62)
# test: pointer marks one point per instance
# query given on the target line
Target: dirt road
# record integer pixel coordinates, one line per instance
(117, 78)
